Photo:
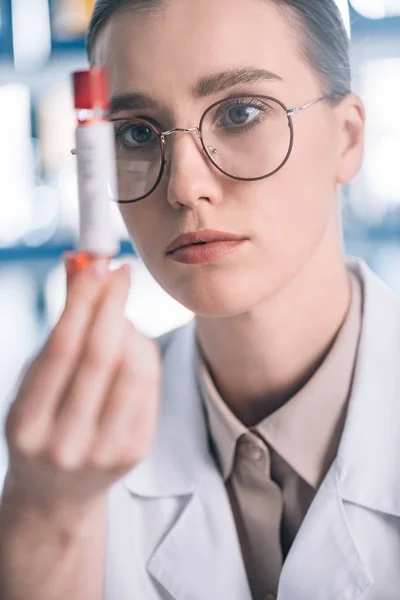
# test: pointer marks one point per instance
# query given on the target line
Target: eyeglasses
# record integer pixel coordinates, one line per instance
(247, 138)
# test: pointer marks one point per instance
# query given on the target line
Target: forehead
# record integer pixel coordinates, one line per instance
(163, 53)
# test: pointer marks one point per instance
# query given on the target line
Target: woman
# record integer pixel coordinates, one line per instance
(273, 471)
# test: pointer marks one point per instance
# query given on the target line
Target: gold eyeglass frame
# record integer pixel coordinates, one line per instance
(162, 135)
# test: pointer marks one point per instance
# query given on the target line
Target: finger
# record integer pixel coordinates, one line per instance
(76, 417)
(76, 262)
(48, 375)
(128, 420)
(65, 341)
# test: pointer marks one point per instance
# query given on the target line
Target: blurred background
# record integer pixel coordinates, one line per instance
(41, 43)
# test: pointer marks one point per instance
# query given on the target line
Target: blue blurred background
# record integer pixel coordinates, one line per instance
(41, 43)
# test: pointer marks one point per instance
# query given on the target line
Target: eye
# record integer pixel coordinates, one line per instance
(133, 134)
(241, 115)
(240, 112)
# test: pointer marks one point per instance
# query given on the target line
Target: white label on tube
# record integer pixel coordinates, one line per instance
(97, 184)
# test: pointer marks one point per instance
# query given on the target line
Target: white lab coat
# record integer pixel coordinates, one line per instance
(172, 535)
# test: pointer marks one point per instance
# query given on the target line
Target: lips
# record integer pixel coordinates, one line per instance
(202, 237)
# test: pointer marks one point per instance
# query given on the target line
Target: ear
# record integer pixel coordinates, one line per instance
(350, 114)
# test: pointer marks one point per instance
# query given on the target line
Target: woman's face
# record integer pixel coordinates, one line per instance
(283, 218)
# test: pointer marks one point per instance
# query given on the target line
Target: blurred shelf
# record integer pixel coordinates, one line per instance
(361, 26)
(47, 251)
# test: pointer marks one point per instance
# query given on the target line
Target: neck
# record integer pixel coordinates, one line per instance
(260, 359)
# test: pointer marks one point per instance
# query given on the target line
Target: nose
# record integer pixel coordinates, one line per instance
(191, 177)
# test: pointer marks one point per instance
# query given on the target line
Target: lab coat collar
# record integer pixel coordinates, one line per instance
(326, 559)
(369, 453)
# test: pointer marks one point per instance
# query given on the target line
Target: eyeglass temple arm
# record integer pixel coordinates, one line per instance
(297, 109)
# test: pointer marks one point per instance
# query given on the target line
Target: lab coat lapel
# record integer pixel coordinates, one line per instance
(369, 453)
(199, 556)
(325, 562)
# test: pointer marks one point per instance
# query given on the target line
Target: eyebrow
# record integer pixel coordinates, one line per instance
(206, 86)
(219, 82)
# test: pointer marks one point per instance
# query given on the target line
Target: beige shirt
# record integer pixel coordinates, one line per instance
(273, 470)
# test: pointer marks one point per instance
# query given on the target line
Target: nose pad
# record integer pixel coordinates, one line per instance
(212, 150)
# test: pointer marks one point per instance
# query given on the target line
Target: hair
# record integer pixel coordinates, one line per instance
(324, 40)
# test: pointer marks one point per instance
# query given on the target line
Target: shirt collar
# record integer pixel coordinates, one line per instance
(306, 430)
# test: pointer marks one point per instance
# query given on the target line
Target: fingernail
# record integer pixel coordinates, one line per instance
(99, 267)
(126, 270)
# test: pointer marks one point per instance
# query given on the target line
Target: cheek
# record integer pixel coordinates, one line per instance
(302, 195)
(291, 213)
(141, 224)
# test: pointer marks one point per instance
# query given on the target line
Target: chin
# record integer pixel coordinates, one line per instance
(219, 295)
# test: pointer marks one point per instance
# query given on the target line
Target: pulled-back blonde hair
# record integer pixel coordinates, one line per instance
(319, 24)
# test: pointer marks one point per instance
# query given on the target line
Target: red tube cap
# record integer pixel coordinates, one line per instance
(91, 89)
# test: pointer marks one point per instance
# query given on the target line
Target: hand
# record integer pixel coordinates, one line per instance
(86, 410)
